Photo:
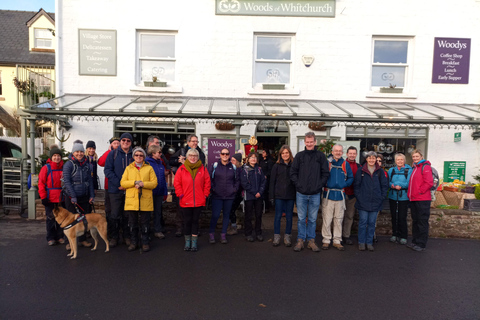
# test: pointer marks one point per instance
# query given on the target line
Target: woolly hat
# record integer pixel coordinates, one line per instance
(114, 139)
(55, 151)
(238, 157)
(137, 149)
(126, 135)
(91, 144)
(78, 146)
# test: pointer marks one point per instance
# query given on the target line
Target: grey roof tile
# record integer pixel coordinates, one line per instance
(14, 40)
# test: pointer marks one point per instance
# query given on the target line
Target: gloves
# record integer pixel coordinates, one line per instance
(165, 198)
(45, 202)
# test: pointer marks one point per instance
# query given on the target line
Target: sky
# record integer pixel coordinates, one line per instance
(28, 5)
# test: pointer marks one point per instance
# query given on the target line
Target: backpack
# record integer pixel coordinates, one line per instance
(405, 173)
(49, 173)
(215, 167)
(343, 167)
(436, 181)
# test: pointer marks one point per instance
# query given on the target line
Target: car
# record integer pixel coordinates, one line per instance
(7, 149)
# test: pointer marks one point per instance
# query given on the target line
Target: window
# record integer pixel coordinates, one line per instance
(390, 63)
(273, 59)
(43, 39)
(42, 81)
(156, 57)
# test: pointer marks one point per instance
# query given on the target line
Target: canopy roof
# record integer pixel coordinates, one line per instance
(229, 109)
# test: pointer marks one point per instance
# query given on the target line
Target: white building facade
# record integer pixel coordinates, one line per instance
(342, 51)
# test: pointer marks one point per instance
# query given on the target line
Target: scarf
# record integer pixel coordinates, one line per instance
(192, 167)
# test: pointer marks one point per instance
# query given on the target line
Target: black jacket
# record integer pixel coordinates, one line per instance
(266, 165)
(309, 171)
(281, 187)
(183, 152)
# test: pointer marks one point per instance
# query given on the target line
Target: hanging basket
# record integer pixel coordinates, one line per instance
(317, 126)
(225, 126)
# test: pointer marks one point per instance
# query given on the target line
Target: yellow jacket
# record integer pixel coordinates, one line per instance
(146, 174)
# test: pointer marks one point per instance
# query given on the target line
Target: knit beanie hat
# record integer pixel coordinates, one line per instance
(91, 144)
(238, 157)
(54, 151)
(139, 149)
(78, 146)
(126, 135)
(114, 139)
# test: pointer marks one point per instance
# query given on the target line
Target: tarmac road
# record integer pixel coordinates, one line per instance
(239, 280)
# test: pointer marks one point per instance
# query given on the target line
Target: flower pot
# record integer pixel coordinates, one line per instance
(274, 86)
(391, 90)
(148, 83)
(159, 84)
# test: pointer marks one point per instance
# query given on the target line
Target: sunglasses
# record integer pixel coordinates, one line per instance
(225, 154)
(138, 155)
(126, 140)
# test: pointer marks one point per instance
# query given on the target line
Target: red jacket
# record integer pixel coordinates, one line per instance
(354, 166)
(101, 163)
(48, 181)
(420, 183)
(192, 193)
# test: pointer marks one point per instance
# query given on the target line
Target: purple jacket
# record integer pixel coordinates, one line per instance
(225, 180)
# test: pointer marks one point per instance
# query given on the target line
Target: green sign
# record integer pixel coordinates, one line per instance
(284, 8)
(457, 137)
(454, 170)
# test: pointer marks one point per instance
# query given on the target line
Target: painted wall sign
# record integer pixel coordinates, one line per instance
(451, 60)
(299, 8)
(215, 146)
(97, 52)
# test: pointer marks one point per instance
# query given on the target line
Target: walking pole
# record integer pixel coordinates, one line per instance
(139, 213)
(396, 216)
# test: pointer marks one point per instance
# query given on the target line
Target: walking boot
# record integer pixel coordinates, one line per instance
(299, 246)
(276, 240)
(339, 246)
(194, 243)
(113, 243)
(287, 240)
(188, 243)
(178, 233)
(312, 245)
(223, 238)
(145, 248)
(132, 246)
(212, 238)
(232, 230)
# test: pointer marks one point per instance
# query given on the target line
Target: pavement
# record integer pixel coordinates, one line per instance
(239, 280)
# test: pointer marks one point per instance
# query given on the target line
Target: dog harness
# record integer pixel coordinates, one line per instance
(81, 216)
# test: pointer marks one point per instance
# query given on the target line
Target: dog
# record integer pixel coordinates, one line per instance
(97, 224)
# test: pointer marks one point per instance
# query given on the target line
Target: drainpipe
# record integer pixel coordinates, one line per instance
(32, 193)
(238, 124)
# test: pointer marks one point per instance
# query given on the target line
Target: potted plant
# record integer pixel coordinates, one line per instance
(273, 86)
(326, 146)
(391, 89)
(45, 95)
(28, 90)
(155, 83)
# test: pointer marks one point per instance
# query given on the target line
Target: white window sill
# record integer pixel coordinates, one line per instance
(377, 94)
(289, 92)
(172, 89)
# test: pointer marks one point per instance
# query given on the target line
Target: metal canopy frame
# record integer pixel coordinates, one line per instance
(78, 105)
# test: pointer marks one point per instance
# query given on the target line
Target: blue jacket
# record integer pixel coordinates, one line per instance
(370, 190)
(77, 178)
(225, 180)
(253, 181)
(157, 165)
(116, 163)
(337, 179)
(397, 178)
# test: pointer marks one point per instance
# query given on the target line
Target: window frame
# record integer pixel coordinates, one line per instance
(139, 59)
(289, 84)
(408, 65)
(35, 39)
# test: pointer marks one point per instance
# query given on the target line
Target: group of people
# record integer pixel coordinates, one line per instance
(135, 188)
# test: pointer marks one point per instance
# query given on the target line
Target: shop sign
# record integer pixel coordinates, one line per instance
(451, 60)
(284, 8)
(454, 170)
(215, 146)
(457, 137)
(97, 52)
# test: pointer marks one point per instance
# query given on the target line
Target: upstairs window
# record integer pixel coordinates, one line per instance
(390, 65)
(273, 59)
(43, 39)
(156, 57)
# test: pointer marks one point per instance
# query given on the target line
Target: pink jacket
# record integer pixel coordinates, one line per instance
(421, 182)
